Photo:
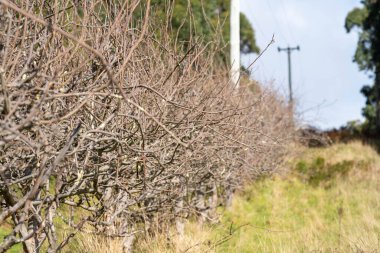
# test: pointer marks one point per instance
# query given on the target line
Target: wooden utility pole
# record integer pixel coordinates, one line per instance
(235, 42)
(289, 51)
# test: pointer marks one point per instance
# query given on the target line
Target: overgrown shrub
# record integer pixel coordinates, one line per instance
(115, 132)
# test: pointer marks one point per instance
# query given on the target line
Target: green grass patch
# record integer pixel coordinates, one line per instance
(4, 231)
(330, 204)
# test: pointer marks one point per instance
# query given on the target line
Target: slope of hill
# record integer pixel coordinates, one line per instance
(328, 202)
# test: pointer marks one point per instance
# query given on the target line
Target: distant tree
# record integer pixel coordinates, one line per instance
(367, 56)
(247, 36)
(369, 111)
(205, 19)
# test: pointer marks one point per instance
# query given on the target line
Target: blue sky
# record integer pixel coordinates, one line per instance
(326, 82)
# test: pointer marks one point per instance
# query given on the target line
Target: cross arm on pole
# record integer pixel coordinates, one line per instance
(289, 49)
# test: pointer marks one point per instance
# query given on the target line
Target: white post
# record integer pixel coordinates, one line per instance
(235, 42)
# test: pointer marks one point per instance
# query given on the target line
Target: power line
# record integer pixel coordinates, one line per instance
(256, 24)
(290, 32)
(286, 19)
(276, 21)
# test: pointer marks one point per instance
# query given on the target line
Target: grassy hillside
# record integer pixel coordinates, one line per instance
(329, 202)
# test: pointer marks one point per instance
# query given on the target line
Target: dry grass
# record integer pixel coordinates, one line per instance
(196, 239)
(95, 244)
(355, 151)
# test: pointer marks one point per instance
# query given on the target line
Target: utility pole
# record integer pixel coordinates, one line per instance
(235, 42)
(289, 51)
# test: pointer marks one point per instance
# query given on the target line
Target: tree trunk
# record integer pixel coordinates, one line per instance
(179, 222)
(377, 90)
(128, 243)
(200, 205)
(213, 202)
(228, 195)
